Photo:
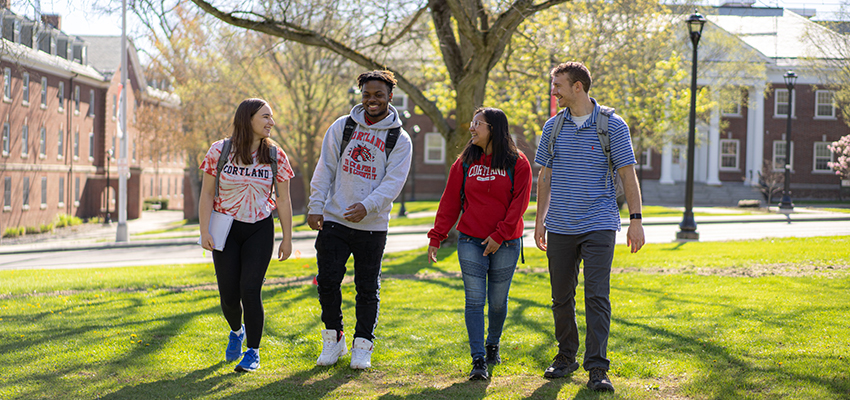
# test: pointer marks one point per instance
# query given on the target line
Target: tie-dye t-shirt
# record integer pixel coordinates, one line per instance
(244, 189)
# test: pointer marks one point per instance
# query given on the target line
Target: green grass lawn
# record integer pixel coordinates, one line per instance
(688, 323)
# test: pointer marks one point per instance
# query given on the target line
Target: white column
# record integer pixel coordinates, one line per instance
(667, 165)
(758, 131)
(714, 148)
(750, 174)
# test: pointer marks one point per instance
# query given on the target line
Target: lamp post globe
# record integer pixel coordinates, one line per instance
(688, 226)
(786, 206)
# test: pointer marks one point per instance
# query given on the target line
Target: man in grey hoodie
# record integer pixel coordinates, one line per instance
(350, 201)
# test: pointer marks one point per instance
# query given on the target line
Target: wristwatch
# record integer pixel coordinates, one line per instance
(635, 216)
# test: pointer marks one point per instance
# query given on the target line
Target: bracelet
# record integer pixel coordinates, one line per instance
(635, 216)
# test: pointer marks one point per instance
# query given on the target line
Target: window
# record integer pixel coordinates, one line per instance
(7, 193)
(823, 156)
(645, 159)
(781, 103)
(399, 100)
(779, 155)
(824, 105)
(77, 99)
(61, 96)
(26, 197)
(61, 145)
(61, 191)
(77, 144)
(43, 192)
(26, 88)
(151, 187)
(134, 150)
(42, 143)
(435, 148)
(6, 139)
(91, 102)
(43, 92)
(77, 191)
(91, 145)
(729, 154)
(7, 84)
(25, 138)
(733, 108)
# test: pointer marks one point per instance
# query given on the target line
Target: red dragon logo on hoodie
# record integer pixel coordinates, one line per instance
(361, 153)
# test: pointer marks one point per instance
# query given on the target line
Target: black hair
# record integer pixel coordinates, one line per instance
(377, 75)
(505, 153)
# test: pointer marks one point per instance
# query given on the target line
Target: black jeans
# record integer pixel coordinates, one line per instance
(240, 271)
(334, 245)
(565, 253)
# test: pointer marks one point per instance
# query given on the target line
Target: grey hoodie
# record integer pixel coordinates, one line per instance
(363, 174)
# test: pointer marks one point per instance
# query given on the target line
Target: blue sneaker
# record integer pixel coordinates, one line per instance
(250, 362)
(234, 346)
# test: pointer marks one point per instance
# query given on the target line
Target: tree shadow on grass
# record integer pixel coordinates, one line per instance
(458, 390)
(194, 384)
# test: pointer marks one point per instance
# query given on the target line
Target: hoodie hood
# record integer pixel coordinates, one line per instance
(358, 113)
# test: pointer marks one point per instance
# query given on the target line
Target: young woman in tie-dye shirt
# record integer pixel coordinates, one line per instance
(245, 193)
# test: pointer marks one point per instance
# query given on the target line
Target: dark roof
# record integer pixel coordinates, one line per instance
(104, 52)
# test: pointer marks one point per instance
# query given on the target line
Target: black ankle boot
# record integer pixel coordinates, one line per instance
(493, 357)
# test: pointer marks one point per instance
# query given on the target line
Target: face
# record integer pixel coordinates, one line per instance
(480, 130)
(565, 91)
(262, 123)
(376, 99)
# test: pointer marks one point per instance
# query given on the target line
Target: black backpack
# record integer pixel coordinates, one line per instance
(350, 124)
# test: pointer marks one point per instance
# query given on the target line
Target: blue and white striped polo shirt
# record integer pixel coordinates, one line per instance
(583, 197)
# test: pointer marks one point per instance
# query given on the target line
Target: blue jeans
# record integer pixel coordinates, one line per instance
(486, 278)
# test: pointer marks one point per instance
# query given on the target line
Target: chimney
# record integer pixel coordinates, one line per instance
(54, 20)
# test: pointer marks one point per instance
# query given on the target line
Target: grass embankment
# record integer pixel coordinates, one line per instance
(157, 332)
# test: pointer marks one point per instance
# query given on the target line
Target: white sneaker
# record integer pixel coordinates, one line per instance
(361, 354)
(331, 347)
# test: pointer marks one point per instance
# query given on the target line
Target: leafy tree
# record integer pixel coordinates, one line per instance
(472, 37)
(830, 57)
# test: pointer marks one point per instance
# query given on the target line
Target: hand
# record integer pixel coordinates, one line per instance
(540, 235)
(492, 245)
(355, 212)
(207, 241)
(432, 254)
(634, 237)
(315, 221)
(285, 250)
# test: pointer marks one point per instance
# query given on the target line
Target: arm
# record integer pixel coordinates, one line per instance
(324, 175)
(634, 237)
(205, 207)
(395, 175)
(284, 213)
(544, 189)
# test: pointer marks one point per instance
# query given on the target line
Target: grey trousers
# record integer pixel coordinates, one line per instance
(565, 254)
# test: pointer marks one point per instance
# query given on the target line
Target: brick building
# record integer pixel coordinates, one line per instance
(59, 119)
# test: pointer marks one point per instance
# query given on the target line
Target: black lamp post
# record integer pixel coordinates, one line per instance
(402, 212)
(416, 130)
(353, 95)
(688, 226)
(108, 219)
(786, 206)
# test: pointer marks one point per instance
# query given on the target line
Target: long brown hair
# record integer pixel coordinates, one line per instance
(505, 153)
(243, 133)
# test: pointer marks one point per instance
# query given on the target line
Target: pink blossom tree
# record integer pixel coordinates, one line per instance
(841, 149)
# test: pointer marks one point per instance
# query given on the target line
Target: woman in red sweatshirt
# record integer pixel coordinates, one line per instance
(489, 187)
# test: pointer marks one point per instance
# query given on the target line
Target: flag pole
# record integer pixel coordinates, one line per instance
(123, 168)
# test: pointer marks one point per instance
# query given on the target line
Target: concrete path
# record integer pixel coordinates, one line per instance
(96, 246)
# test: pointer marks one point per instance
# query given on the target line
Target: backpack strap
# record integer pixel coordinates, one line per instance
(273, 155)
(350, 124)
(602, 118)
(559, 122)
(222, 159)
(463, 186)
(392, 138)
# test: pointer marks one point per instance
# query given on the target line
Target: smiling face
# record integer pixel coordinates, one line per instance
(480, 130)
(262, 123)
(565, 91)
(376, 99)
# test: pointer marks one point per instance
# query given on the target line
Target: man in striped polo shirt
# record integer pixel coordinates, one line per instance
(576, 204)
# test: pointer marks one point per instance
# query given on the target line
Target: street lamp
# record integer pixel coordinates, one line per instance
(786, 206)
(353, 95)
(108, 219)
(416, 130)
(688, 226)
(402, 212)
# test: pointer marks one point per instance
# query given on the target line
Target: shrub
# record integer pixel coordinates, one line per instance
(31, 230)
(44, 228)
(14, 232)
(63, 220)
(155, 203)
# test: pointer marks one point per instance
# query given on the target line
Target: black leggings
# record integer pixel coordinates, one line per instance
(240, 271)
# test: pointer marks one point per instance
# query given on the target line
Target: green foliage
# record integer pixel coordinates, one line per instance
(44, 228)
(155, 203)
(30, 230)
(14, 231)
(63, 220)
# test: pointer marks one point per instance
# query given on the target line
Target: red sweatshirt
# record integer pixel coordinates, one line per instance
(490, 209)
